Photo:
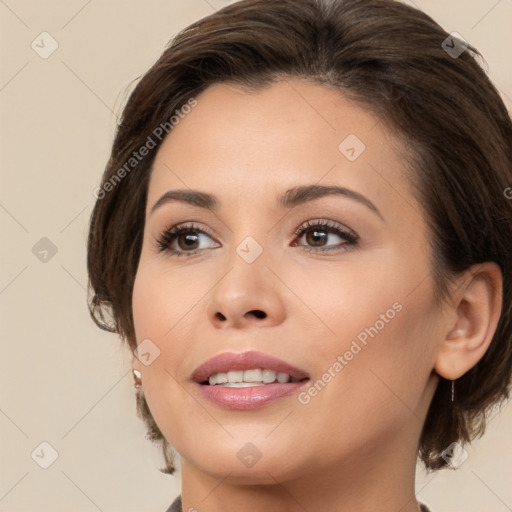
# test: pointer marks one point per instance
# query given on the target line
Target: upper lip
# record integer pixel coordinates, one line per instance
(227, 361)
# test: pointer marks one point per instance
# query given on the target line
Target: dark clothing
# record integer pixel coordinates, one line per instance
(176, 506)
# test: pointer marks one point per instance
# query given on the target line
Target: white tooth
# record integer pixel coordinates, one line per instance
(222, 378)
(268, 376)
(241, 384)
(257, 376)
(253, 375)
(235, 376)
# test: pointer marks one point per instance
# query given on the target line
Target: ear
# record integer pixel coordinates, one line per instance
(473, 317)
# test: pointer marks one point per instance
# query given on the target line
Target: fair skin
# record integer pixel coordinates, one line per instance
(353, 446)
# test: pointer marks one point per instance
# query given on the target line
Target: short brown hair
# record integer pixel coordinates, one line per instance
(391, 59)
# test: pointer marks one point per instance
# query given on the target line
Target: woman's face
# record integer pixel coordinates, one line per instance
(351, 304)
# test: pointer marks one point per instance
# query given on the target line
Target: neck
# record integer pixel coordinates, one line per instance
(365, 481)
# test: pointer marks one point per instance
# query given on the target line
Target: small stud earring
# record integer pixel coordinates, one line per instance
(137, 381)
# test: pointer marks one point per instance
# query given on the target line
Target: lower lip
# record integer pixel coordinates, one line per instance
(253, 397)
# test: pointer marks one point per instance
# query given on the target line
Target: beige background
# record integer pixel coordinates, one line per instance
(64, 381)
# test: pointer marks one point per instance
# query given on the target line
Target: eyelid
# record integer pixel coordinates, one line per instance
(325, 224)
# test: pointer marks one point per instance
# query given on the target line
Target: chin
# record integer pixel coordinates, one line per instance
(246, 462)
(268, 473)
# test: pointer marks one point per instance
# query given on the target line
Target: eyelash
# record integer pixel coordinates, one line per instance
(168, 237)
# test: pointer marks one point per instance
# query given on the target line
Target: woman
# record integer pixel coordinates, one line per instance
(303, 234)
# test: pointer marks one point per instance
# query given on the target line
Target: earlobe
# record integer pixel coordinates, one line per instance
(136, 373)
(477, 308)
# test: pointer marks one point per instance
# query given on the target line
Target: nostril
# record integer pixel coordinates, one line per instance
(258, 313)
(220, 316)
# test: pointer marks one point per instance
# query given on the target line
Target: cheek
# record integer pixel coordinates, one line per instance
(157, 308)
(371, 374)
(341, 302)
(169, 310)
(162, 300)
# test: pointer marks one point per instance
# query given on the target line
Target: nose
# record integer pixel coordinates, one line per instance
(247, 295)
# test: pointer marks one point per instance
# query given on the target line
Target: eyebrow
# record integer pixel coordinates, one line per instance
(290, 199)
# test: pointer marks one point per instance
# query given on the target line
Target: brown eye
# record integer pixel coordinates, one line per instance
(187, 240)
(317, 238)
(181, 240)
(318, 233)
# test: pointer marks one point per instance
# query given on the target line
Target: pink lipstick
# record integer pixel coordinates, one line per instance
(247, 380)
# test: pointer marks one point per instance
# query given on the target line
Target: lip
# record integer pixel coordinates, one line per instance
(252, 397)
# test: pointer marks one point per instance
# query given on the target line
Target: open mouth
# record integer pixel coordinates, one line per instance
(250, 378)
(247, 380)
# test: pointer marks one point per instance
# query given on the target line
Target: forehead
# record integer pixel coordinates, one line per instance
(247, 147)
